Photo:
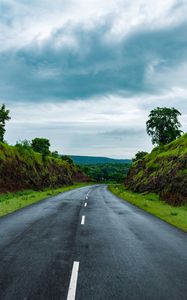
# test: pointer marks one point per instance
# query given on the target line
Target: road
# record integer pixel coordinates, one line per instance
(120, 251)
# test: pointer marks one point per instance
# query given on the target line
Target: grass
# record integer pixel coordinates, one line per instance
(10, 202)
(151, 203)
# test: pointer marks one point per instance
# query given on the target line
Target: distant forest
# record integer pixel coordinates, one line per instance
(113, 172)
(103, 169)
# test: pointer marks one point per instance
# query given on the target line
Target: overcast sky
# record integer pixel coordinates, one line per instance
(86, 73)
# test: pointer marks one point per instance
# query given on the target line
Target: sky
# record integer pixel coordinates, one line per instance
(86, 73)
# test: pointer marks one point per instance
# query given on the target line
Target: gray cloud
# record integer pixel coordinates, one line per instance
(94, 66)
(124, 133)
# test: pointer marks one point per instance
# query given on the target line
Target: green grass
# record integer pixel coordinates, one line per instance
(151, 203)
(10, 202)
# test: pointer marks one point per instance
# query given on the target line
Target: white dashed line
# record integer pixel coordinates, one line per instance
(86, 197)
(83, 220)
(73, 281)
(85, 204)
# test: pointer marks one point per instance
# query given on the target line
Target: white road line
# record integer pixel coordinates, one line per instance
(73, 281)
(83, 220)
(85, 204)
(86, 197)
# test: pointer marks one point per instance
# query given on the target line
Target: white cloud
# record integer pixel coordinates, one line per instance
(25, 21)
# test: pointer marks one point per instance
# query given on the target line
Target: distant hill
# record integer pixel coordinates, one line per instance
(93, 160)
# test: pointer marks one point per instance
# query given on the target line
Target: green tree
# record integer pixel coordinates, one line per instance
(163, 125)
(139, 155)
(41, 145)
(68, 159)
(26, 144)
(4, 116)
(55, 154)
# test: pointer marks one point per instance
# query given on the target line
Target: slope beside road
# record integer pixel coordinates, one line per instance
(88, 244)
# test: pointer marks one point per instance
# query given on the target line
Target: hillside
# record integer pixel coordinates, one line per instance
(93, 160)
(163, 171)
(22, 168)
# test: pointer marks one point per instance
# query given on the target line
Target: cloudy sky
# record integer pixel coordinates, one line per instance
(86, 73)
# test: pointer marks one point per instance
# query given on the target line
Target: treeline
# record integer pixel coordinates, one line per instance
(110, 173)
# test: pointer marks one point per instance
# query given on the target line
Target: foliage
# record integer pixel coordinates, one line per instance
(150, 202)
(55, 154)
(106, 172)
(4, 116)
(163, 125)
(139, 155)
(68, 159)
(163, 171)
(41, 145)
(26, 144)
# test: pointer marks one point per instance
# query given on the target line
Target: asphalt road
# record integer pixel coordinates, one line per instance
(123, 252)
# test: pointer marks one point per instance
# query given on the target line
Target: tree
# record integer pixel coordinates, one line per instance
(68, 159)
(4, 116)
(163, 125)
(41, 145)
(55, 154)
(139, 155)
(26, 144)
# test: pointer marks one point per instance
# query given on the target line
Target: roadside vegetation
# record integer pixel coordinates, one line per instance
(23, 168)
(151, 203)
(157, 182)
(30, 165)
(11, 202)
(164, 170)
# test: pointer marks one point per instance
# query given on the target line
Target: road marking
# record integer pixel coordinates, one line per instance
(86, 197)
(83, 220)
(73, 281)
(85, 204)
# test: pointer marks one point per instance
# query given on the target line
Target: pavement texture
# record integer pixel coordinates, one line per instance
(123, 252)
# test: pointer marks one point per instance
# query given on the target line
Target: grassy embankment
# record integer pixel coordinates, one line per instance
(163, 171)
(10, 202)
(24, 169)
(151, 203)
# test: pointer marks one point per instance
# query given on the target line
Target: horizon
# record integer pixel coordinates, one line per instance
(117, 158)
